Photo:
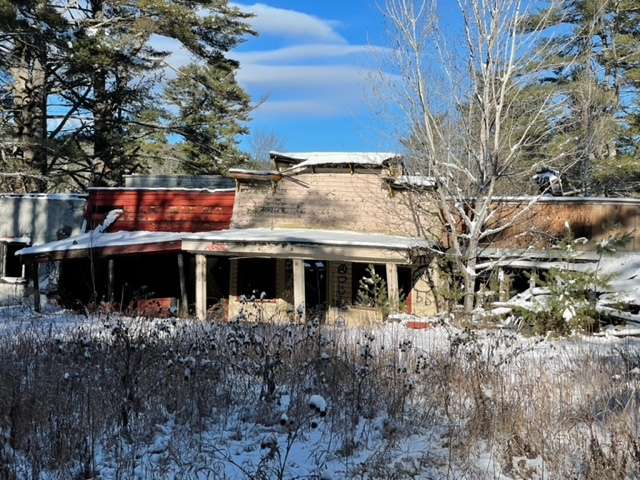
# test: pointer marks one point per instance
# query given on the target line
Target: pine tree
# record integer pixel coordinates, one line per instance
(86, 86)
(211, 108)
(31, 32)
(123, 71)
(596, 69)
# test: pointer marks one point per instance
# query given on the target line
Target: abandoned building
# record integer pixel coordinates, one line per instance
(302, 241)
(298, 241)
(33, 219)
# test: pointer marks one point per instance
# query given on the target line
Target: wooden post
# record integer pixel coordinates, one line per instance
(392, 287)
(36, 286)
(111, 273)
(183, 311)
(3, 258)
(298, 290)
(201, 287)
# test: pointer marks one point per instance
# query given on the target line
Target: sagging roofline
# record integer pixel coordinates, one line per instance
(257, 242)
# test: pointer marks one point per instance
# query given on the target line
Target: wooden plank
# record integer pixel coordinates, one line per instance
(392, 287)
(3, 258)
(184, 302)
(201, 287)
(299, 300)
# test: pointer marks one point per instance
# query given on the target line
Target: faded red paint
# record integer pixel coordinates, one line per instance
(154, 307)
(162, 210)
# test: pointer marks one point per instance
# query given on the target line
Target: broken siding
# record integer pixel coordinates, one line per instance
(544, 223)
(338, 201)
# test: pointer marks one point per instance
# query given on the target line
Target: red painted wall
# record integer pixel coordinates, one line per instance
(162, 210)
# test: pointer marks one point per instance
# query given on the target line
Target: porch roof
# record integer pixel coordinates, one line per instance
(309, 236)
(233, 240)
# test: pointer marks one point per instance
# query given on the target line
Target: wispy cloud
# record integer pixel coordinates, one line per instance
(307, 52)
(304, 78)
(313, 72)
(285, 23)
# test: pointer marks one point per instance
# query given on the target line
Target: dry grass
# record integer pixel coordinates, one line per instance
(68, 398)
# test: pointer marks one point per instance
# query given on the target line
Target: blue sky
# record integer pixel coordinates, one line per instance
(312, 72)
(312, 66)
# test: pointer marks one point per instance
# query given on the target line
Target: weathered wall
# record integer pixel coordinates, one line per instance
(11, 293)
(544, 223)
(275, 310)
(162, 210)
(340, 309)
(360, 202)
(40, 218)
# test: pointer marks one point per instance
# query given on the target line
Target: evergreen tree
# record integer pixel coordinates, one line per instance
(211, 108)
(31, 34)
(596, 69)
(123, 71)
(85, 85)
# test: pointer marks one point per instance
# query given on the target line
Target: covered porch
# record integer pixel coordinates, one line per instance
(264, 274)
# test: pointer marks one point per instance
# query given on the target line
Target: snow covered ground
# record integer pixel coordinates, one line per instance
(209, 401)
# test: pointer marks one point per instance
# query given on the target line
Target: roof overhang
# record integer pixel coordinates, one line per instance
(255, 242)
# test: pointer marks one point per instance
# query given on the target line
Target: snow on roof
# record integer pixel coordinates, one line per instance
(45, 196)
(162, 189)
(310, 159)
(317, 237)
(414, 181)
(568, 199)
(96, 239)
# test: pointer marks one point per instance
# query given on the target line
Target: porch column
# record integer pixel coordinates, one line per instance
(298, 290)
(36, 286)
(183, 311)
(201, 287)
(392, 287)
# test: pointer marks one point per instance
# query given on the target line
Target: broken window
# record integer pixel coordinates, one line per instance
(257, 277)
(10, 264)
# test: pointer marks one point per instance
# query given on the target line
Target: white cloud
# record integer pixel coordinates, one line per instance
(312, 51)
(303, 78)
(299, 108)
(286, 23)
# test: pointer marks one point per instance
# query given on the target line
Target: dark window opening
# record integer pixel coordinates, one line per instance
(361, 271)
(257, 278)
(315, 279)
(13, 263)
(218, 279)
(405, 281)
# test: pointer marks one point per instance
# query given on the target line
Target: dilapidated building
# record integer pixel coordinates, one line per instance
(298, 243)
(30, 220)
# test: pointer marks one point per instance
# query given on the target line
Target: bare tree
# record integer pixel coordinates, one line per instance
(260, 144)
(470, 121)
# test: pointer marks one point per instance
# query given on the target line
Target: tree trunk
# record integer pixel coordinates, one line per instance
(469, 287)
(30, 101)
(102, 158)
